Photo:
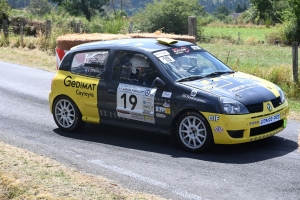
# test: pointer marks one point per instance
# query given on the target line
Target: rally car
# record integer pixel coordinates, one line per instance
(166, 86)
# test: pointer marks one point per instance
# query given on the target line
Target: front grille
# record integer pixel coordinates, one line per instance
(276, 102)
(255, 108)
(259, 107)
(236, 134)
(265, 129)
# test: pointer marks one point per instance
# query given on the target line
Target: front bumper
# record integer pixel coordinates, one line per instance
(234, 129)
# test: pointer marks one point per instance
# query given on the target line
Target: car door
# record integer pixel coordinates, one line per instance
(131, 97)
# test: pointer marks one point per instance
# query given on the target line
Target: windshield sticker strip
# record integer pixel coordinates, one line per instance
(166, 59)
(161, 53)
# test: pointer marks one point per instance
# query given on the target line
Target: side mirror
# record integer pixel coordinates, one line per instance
(159, 83)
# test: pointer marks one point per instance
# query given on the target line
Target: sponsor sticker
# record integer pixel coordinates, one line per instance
(161, 53)
(159, 115)
(195, 47)
(193, 93)
(181, 50)
(214, 118)
(163, 110)
(166, 94)
(218, 129)
(166, 59)
(166, 105)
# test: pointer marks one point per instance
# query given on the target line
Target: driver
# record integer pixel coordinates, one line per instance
(138, 66)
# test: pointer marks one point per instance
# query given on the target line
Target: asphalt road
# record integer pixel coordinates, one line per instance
(265, 169)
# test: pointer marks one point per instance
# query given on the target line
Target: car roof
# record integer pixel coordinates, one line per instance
(146, 44)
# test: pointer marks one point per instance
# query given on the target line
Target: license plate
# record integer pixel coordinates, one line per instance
(270, 120)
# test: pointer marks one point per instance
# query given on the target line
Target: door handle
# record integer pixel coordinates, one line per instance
(112, 92)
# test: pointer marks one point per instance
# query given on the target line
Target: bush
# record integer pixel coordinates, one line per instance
(170, 16)
(291, 30)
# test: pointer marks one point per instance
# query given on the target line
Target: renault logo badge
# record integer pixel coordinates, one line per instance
(269, 107)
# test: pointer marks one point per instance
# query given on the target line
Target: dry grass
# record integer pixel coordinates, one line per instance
(27, 57)
(25, 175)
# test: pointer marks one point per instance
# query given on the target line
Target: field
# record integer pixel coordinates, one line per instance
(247, 33)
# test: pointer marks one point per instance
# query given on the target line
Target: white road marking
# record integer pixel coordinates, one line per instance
(150, 181)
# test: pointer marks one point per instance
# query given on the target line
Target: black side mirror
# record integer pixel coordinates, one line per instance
(159, 83)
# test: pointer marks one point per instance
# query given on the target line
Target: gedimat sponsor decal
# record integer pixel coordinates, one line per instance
(68, 82)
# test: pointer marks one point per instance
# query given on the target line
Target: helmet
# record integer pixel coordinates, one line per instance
(137, 61)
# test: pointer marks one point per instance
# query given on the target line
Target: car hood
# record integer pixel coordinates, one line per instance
(242, 87)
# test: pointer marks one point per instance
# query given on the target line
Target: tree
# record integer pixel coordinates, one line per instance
(4, 10)
(245, 7)
(238, 8)
(39, 7)
(169, 15)
(86, 7)
(222, 12)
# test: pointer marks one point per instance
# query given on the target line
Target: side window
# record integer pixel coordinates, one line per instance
(134, 68)
(91, 63)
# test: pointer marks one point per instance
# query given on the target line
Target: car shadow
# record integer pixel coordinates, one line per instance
(260, 150)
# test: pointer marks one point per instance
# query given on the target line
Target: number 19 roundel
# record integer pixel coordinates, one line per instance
(136, 103)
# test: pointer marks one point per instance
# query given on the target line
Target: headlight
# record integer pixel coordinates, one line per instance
(231, 106)
(282, 97)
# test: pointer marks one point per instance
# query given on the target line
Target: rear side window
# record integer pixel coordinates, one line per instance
(90, 63)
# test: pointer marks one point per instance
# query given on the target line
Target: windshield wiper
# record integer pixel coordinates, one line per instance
(219, 73)
(189, 78)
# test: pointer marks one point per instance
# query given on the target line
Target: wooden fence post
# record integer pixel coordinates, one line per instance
(77, 27)
(21, 31)
(192, 26)
(295, 61)
(130, 28)
(48, 28)
(5, 28)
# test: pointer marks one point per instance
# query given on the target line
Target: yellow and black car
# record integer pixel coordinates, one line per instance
(166, 86)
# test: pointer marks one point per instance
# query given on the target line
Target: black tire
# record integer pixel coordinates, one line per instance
(66, 114)
(193, 132)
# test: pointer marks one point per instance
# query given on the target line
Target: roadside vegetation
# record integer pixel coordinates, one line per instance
(256, 42)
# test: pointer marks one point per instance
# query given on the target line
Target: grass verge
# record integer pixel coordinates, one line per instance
(25, 175)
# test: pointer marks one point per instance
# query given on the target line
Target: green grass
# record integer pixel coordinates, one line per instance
(249, 56)
(258, 33)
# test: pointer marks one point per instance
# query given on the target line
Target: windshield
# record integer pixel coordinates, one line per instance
(192, 65)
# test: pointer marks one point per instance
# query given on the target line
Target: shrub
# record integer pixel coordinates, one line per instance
(169, 15)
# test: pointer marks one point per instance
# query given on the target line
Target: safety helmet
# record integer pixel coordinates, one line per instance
(137, 61)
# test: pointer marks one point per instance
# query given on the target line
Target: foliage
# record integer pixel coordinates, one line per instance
(88, 8)
(222, 12)
(170, 16)
(5, 10)
(39, 7)
(238, 8)
(212, 5)
(268, 10)
(18, 3)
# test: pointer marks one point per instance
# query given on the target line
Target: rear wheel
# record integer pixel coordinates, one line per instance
(66, 114)
(193, 132)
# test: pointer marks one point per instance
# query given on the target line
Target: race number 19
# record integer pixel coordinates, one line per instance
(132, 100)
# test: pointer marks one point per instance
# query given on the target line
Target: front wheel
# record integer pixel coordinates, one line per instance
(66, 114)
(193, 132)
